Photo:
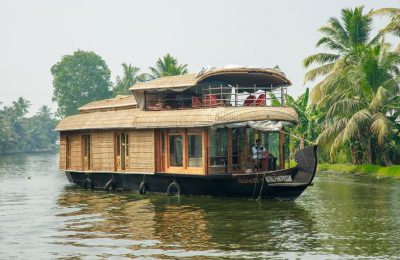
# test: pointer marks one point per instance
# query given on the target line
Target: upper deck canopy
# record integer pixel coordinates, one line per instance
(119, 102)
(138, 119)
(228, 75)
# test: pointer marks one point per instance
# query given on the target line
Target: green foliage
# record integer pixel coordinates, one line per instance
(79, 79)
(366, 169)
(358, 94)
(129, 78)
(21, 134)
(310, 119)
(168, 66)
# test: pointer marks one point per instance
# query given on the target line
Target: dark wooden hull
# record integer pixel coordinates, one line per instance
(283, 185)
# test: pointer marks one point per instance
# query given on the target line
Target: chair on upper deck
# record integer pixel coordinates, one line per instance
(196, 102)
(250, 101)
(211, 100)
(261, 100)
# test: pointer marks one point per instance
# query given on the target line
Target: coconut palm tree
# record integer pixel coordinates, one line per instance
(167, 66)
(394, 24)
(366, 94)
(344, 38)
(129, 78)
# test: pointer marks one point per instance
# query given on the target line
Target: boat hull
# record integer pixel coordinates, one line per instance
(282, 185)
(250, 186)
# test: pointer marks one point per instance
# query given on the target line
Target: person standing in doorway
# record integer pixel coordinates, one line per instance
(257, 150)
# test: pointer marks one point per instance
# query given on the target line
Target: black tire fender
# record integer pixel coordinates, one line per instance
(88, 184)
(110, 186)
(143, 188)
(174, 189)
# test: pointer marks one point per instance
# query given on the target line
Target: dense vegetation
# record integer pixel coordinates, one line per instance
(166, 66)
(351, 112)
(355, 106)
(21, 134)
(79, 79)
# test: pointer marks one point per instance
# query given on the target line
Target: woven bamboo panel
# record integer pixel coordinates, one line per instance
(63, 148)
(76, 152)
(141, 151)
(138, 119)
(102, 151)
(193, 79)
(109, 104)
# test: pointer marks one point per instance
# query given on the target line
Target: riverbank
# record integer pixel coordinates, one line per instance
(367, 170)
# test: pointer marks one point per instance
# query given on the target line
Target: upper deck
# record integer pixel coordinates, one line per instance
(214, 87)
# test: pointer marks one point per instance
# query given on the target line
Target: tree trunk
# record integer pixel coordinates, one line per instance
(386, 157)
(370, 152)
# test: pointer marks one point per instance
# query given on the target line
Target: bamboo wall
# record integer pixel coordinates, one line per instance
(102, 151)
(141, 151)
(142, 146)
(76, 151)
(63, 152)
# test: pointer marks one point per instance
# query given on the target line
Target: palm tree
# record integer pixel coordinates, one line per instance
(44, 111)
(21, 106)
(366, 93)
(167, 66)
(343, 38)
(394, 24)
(310, 119)
(129, 78)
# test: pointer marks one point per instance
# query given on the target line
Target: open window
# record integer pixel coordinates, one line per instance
(185, 151)
(68, 152)
(86, 153)
(122, 151)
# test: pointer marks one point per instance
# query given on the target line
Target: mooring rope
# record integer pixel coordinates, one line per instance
(262, 186)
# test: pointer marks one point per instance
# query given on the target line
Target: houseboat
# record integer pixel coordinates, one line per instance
(219, 132)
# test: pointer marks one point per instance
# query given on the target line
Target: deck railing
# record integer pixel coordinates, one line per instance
(241, 160)
(207, 96)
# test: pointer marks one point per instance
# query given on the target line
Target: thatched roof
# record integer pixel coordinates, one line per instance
(118, 102)
(138, 119)
(228, 75)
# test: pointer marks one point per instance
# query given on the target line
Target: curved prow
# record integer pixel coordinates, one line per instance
(306, 159)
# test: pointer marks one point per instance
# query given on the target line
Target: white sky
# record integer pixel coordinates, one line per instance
(36, 34)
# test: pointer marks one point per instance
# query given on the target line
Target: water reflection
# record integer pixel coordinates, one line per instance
(44, 217)
(188, 224)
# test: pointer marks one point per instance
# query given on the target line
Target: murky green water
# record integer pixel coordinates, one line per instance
(43, 217)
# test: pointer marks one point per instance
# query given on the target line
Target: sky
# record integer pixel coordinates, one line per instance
(36, 34)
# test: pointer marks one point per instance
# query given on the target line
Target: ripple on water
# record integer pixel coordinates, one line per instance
(45, 217)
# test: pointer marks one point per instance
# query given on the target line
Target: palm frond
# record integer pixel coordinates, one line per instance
(343, 107)
(381, 126)
(319, 71)
(356, 124)
(320, 58)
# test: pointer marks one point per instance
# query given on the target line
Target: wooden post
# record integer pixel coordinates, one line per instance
(246, 148)
(230, 168)
(281, 151)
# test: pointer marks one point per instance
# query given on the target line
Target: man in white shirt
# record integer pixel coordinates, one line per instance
(257, 150)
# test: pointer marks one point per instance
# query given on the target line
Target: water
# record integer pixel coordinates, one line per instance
(42, 216)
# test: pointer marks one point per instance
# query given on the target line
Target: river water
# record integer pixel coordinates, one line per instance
(42, 216)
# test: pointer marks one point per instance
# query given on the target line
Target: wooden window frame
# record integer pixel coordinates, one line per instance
(88, 149)
(185, 169)
(68, 146)
(118, 149)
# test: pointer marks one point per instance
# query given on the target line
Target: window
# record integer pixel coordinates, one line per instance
(86, 152)
(68, 152)
(238, 146)
(273, 147)
(176, 148)
(185, 148)
(194, 144)
(122, 151)
(219, 146)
